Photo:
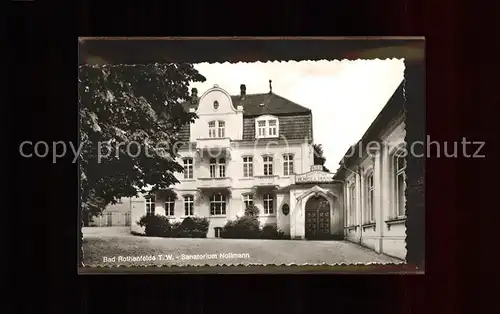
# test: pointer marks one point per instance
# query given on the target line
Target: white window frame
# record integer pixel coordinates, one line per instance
(264, 129)
(247, 200)
(268, 165)
(170, 207)
(261, 128)
(247, 166)
(268, 202)
(370, 202)
(221, 167)
(216, 129)
(221, 129)
(150, 204)
(217, 168)
(212, 129)
(188, 168)
(218, 198)
(188, 205)
(288, 164)
(272, 130)
(399, 209)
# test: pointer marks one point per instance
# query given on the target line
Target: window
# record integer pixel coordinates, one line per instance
(169, 206)
(248, 200)
(119, 201)
(216, 129)
(268, 165)
(222, 168)
(261, 127)
(211, 129)
(188, 205)
(217, 168)
(218, 232)
(217, 204)
(369, 199)
(188, 168)
(268, 204)
(266, 126)
(222, 126)
(150, 205)
(216, 105)
(399, 162)
(352, 205)
(287, 164)
(213, 167)
(248, 166)
(273, 128)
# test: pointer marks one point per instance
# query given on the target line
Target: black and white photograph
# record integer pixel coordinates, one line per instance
(243, 163)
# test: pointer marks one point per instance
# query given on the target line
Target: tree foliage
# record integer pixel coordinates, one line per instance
(136, 113)
(319, 158)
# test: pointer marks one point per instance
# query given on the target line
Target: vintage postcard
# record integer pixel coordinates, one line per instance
(268, 163)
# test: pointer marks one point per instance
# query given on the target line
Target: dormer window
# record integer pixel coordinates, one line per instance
(216, 129)
(261, 128)
(272, 128)
(266, 126)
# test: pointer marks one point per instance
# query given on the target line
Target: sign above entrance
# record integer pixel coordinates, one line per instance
(315, 176)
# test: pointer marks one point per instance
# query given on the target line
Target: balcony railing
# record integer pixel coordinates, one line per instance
(213, 143)
(214, 182)
(266, 180)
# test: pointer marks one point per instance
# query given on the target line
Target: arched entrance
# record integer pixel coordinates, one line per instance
(317, 222)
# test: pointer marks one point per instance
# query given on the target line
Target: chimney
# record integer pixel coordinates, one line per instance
(243, 91)
(194, 95)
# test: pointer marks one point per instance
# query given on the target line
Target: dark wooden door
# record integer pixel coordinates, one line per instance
(317, 222)
(311, 223)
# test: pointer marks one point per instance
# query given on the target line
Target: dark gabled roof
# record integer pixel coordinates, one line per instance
(273, 104)
(394, 108)
(293, 127)
(295, 121)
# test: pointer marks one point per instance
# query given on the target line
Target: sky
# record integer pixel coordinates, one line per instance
(344, 96)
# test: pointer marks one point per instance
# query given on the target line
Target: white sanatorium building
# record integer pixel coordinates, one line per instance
(259, 149)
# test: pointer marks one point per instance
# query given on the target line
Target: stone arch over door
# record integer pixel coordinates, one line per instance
(318, 210)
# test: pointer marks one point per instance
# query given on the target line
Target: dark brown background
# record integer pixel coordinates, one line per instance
(461, 93)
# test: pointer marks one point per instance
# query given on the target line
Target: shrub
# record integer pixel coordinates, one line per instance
(246, 227)
(252, 211)
(155, 225)
(175, 228)
(270, 231)
(193, 227)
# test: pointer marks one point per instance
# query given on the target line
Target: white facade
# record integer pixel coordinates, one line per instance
(374, 190)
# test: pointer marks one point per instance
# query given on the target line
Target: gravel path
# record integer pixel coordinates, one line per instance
(115, 246)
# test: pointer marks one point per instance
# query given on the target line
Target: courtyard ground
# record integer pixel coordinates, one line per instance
(113, 246)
